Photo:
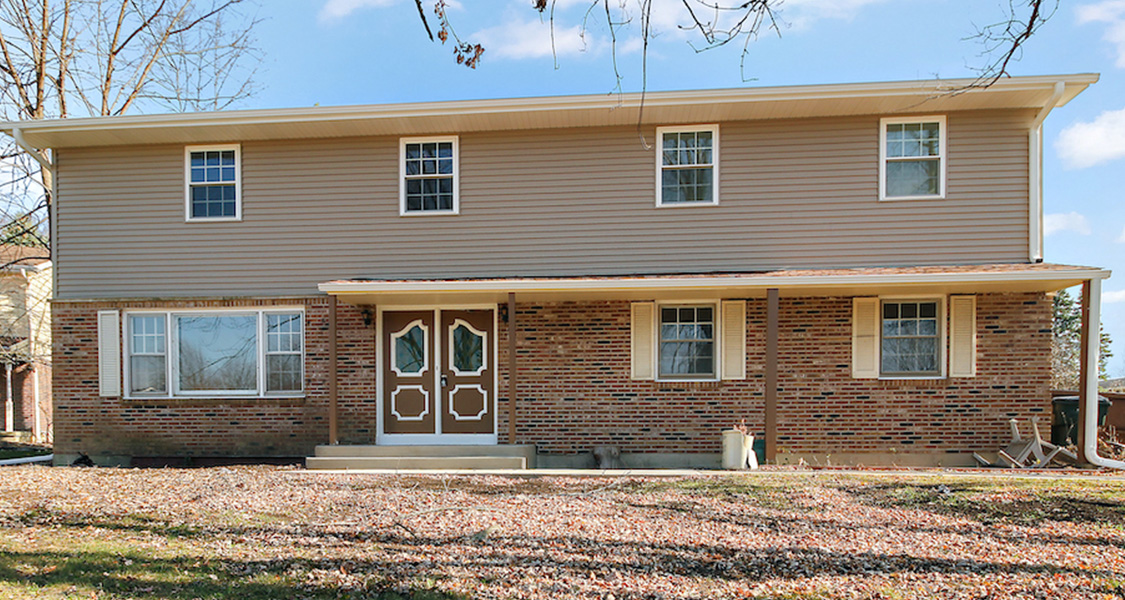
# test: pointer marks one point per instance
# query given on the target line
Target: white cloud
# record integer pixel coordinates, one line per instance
(1112, 297)
(1071, 221)
(1112, 13)
(334, 10)
(1121, 238)
(531, 39)
(1099, 141)
(802, 13)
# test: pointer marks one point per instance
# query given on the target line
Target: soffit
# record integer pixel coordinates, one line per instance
(661, 108)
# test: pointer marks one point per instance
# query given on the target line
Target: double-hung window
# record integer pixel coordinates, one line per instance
(687, 342)
(213, 183)
(215, 353)
(687, 165)
(912, 158)
(911, 338)
(428, 176)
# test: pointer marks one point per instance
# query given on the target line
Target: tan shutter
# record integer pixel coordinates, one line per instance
(109, 353)
(865, 338)
(734, 339)
(962, 336)
(642, 340)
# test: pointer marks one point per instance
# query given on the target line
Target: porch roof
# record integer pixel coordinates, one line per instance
(1020, 277)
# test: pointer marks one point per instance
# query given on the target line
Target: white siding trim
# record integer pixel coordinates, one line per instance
(865, 338)
(660, 131)
(733, 339)
(962, 336)
(642, 340)
(109, 353)
(402, 142)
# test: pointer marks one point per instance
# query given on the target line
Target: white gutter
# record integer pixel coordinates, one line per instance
(703, 282)
(1093, 344)
(18, 136)
(28, 459)
(1035, 175)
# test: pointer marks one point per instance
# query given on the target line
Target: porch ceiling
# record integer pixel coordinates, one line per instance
(938, 280)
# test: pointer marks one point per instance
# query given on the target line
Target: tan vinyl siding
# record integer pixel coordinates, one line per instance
(794, 194)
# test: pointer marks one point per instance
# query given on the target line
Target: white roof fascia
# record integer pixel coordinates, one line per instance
(718, 281)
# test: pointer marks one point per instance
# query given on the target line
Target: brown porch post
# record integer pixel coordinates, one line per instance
(333, 437)
(512, 367)
(1084, 367)
(772, 309)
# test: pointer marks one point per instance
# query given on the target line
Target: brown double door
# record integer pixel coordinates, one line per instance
(438, 372)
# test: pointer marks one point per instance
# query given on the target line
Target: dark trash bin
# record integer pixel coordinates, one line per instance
(1064, 422)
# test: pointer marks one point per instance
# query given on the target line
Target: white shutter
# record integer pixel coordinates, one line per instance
(642, 340)
(865, 338)
(962, 336)
(109, 353)
(734, 339)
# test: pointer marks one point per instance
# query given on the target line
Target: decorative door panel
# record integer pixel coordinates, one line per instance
(467, 396)
(409, 380)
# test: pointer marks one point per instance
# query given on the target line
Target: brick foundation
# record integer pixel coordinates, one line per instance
(575, 391)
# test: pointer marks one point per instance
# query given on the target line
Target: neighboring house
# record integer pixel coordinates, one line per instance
(854, 271)
(25, 342)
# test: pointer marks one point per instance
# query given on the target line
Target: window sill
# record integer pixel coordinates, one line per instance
(258, 400)
(902, 198)
(686, 204)
(213, 220)
(430, 213)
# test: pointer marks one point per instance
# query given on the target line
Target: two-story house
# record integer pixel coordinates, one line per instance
(25, 343)
(853, 271)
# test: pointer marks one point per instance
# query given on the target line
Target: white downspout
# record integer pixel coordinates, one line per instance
(1093, 344)
(1035, 176)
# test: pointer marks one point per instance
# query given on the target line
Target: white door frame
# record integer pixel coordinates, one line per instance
(418, 439)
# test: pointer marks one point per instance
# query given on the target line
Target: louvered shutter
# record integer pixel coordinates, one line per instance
(734, 339)
(865, 338)
(962, 336)
(642, 340)
(109, 353)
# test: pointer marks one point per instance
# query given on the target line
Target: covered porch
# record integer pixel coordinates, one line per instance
(568, 365)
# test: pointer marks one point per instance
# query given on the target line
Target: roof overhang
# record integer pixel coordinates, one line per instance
(851, 282)
(664, 108)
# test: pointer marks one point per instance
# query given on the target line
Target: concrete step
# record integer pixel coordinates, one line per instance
(415, 462)
(342, 450)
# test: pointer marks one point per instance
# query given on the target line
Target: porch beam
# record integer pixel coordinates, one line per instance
(512, 380)
(772, 310)
(333, 390)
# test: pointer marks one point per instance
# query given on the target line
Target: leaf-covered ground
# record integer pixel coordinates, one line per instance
(264, 532)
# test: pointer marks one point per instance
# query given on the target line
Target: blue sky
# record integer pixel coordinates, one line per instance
(337, 52)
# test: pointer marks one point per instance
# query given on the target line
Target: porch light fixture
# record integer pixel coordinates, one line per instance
(368, 316)
(503, 309)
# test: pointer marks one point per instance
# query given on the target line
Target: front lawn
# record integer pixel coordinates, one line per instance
(263, 532)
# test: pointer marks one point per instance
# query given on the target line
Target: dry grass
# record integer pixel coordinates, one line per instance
(255, 533)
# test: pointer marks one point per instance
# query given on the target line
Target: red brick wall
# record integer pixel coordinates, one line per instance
(86, 422)
(575, 391)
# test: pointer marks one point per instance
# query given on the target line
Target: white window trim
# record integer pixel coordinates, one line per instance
(942, 154)
(660, 131)
(237, 183)
(943, 324)
(402, 176)
(171, 354)
(716, 340)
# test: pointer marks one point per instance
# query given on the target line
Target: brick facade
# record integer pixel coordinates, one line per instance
(575, 390)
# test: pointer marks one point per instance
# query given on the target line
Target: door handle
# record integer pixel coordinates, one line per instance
(444, 381)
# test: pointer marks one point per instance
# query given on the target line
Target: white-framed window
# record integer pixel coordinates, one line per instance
(686, 347)
(912, 158)
(428, 176)
(213, 183)
(200, 353)
(912, 338)
(687, 165)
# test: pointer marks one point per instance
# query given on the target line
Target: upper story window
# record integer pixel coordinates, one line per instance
(912, 158)
(428, 176)
(687, 342)
(213, 183)
(687, 171)
(911, 339)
